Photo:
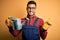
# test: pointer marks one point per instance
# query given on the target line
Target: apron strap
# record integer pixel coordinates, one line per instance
(26, 22)
(35, 21)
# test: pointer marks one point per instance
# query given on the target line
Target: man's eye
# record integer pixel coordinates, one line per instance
(31, 7)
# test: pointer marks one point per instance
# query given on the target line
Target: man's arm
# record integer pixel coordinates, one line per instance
(15, 33)
(43, 32)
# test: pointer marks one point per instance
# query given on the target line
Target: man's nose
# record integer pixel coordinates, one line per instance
(30, 10)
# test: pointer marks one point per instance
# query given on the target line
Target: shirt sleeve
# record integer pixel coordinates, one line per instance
(15, 33)
(43, 33)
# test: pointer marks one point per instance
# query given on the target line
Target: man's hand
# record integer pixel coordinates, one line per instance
(8, 22)
(46, 25)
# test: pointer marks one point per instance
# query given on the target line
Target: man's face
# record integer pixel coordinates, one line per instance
(31, 8)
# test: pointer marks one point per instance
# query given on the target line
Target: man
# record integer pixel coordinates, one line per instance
(32, 28)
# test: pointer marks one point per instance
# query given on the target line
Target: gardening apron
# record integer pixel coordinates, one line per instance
(30, 32)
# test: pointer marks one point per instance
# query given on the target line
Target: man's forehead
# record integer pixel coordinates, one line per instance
(31, 5)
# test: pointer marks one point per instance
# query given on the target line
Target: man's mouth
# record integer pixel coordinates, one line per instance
(31, 13)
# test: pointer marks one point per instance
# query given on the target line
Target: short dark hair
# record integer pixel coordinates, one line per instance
(31, 2)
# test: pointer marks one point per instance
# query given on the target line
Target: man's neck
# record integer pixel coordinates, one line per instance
(30, 17)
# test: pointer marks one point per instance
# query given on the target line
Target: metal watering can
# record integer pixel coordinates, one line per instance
(17, 25)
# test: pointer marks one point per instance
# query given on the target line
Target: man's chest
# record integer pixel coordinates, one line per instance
(30, 22)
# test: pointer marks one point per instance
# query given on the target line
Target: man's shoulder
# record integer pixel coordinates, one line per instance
(40, 19)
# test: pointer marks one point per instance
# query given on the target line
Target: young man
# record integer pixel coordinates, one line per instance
(32, 28)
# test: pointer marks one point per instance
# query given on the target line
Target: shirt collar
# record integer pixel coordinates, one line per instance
(30, 17)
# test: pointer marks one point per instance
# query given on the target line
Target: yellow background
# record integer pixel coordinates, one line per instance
(17, 8)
